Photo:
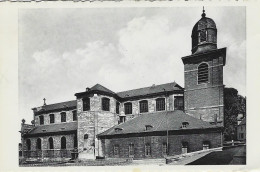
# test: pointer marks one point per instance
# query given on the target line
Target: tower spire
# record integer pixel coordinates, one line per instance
(203, 12)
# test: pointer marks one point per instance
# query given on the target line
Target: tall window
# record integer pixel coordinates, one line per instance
(160, 104)
(28, 143)
(75, 142)
(203, 73)
(117, 107)
(105, 104)
(51, 143)
(202, 36)
(52, 118)
(63, 142)
(41, 119)
(184, 147)
(86, 104)
(131, 149)
(116, 150)
(178, 103)
(147, 149)
(39, 144)
(128, 108)
(74, 115)
(143, 106)
(164, 149)
(63, 116)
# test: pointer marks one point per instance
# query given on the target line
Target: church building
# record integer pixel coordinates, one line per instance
(150, 122)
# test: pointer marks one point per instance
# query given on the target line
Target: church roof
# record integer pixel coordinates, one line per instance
(53, 128)
(173, 86)
(99, 87)
(158, 122)
(57, 106)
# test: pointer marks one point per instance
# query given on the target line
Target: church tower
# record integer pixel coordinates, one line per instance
(203, 73)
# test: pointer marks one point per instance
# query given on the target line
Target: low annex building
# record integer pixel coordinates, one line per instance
(151, 122)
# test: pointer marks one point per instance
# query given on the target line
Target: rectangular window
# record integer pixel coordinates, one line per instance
(128, 108)
(116, 150)
(160, 104)
(41, 120)
(143, 106)
(121, 119)
(74, 115)
(52, 118)
(63, 116)
(147, 150)
(131, 150)
(178, 103)
(86, 104)
(117, 107)
(184, 147)
(164, 149)
(105, 104)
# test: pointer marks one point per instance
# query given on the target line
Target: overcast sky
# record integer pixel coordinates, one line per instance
(63, 51)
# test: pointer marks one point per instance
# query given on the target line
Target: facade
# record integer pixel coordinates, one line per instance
(241, 130)
(151, 122)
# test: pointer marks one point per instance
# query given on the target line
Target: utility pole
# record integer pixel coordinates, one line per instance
(167, 130)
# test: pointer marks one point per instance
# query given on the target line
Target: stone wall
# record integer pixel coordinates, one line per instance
(195, 143)
(57, 117)
(56, 142)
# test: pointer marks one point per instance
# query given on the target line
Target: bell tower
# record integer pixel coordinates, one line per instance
(203, 73)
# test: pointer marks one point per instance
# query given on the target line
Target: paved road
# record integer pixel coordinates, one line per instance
(234, 155)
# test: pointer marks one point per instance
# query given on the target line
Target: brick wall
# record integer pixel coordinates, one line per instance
(205, 100)
(195, 143)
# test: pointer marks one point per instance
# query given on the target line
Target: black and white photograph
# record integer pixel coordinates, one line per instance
(132, 86)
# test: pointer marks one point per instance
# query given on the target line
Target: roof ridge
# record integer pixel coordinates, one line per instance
(147, 87)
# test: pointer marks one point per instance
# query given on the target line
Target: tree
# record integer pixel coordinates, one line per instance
(234, 104)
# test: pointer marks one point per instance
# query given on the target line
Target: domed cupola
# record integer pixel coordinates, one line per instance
(204, 35)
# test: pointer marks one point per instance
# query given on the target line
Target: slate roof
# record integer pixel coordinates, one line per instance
(158, 121)
(99, 87)
(173, 86)
(62, 105)
(54, 128)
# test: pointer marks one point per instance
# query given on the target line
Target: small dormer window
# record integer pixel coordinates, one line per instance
(184, 124)
(118, 130)
(148, 127)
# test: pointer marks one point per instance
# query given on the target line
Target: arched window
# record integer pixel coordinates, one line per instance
(86, 104)
(63, 116)
(28, 143)
(74, 115)
(52, 118)
(143, 106)
(41, 119)
(128, 108)
(105, 104)
(63, 142)
(147, 149)
(203, 73)
(39, 144)
(51, 143)
(160, 104)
